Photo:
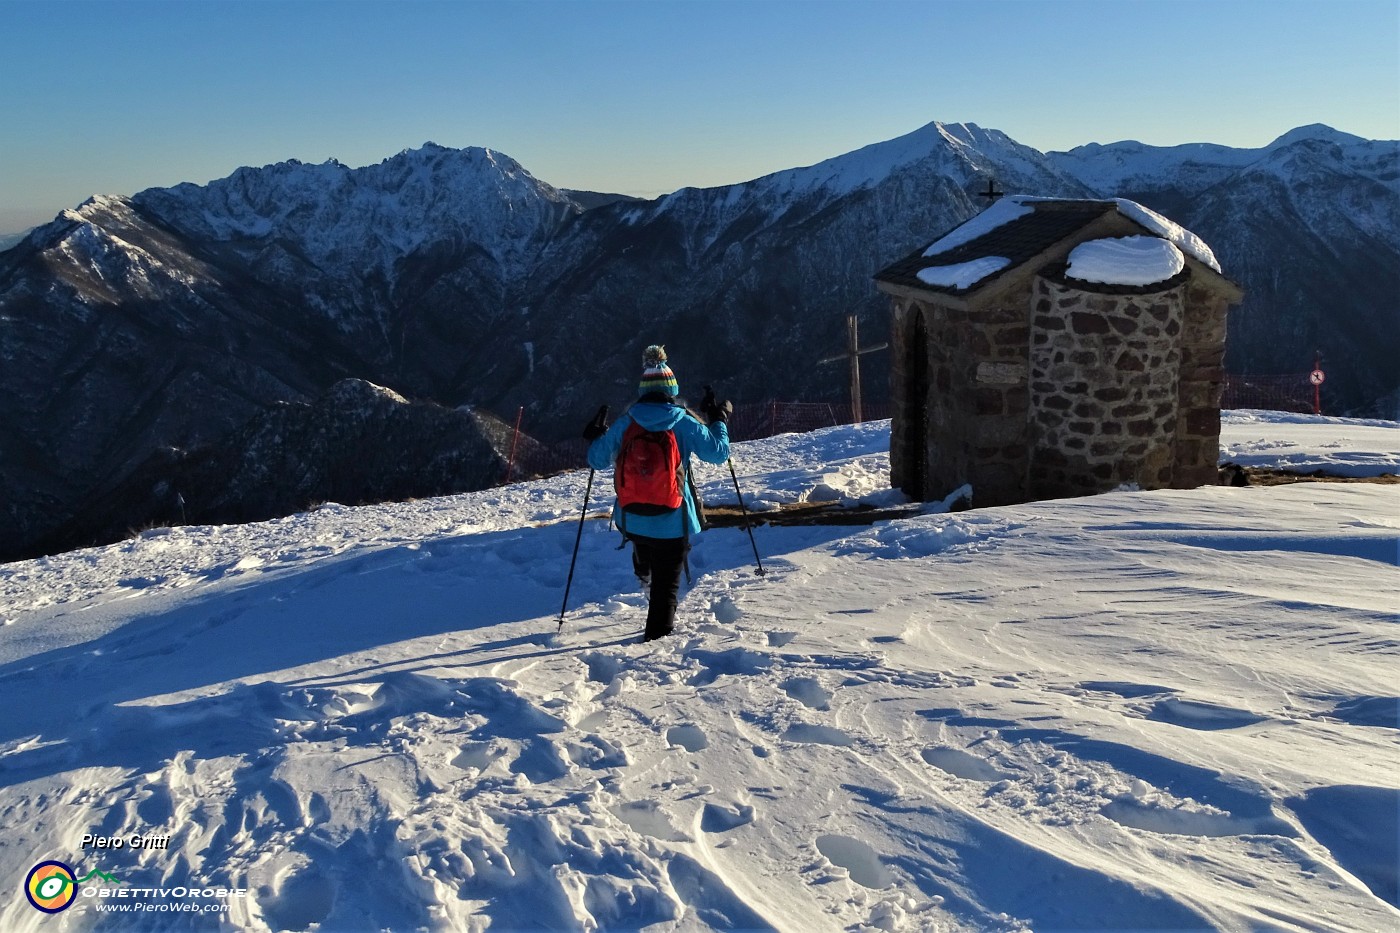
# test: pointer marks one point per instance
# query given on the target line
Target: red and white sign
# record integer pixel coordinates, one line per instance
(1318, 377)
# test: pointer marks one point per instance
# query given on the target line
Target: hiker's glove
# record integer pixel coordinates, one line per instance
(597, 427)
(715, 411)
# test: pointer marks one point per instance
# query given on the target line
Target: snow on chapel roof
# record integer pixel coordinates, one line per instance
(1179, 236)
(1018, 228)
(1129, 260)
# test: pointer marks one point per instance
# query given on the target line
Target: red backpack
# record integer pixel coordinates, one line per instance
(649, 473)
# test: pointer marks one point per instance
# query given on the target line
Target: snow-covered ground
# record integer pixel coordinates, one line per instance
(1308, 443)
(1169, 710)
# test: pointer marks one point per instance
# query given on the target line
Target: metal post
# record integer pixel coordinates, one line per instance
(515, 439)
(853, 353)
(1317, 378)
(851, 328)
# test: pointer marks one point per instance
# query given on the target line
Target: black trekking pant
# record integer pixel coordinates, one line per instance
(662, 560)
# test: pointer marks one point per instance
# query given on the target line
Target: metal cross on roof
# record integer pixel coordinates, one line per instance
(991, 194)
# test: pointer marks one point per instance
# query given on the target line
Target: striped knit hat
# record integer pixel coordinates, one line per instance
(656, 375)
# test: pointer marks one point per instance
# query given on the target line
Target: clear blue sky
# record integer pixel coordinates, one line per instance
(645, 97)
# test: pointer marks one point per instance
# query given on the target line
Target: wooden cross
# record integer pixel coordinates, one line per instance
(991, 194)
(853, 352)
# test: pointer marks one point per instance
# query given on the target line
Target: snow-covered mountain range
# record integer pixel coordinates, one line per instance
(170, 318)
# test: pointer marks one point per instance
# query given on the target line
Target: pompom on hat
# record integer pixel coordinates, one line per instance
(656, 375)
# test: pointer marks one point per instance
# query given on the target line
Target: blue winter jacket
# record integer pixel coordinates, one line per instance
(708, 442)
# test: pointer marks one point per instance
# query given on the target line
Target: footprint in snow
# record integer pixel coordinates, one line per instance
(1210, 717)
(809, 692)
(298, 901)
(540, 761)
(157, 807)
(597, 753)
(861, 862)
(689, 737)
(721, 818)
(963, 765)
(715, 664)
(1171, 709)
(592, 722)
(602, 668)
(1126, 689)
(812, 734)
(725, 610)
(648, 818)
(616, 604)
(219, 619)
(1137, 813)
(478, 755)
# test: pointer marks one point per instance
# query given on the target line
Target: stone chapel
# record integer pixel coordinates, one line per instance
(1050, 347)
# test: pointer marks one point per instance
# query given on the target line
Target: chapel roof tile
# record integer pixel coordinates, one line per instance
(1019, 240)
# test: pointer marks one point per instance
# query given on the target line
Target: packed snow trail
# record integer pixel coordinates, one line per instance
(1169, 710)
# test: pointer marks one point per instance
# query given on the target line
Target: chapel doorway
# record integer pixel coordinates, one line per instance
(916, 451)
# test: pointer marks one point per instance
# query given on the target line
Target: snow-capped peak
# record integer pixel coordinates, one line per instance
(962, 147)
(1131, 166)
(359, 223)
(1315, 131)
(963, 153)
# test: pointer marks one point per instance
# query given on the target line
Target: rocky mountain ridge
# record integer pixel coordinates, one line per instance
(174, 317)
(1310, 226)
(356, 443)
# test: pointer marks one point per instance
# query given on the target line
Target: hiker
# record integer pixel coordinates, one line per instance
(649, 449)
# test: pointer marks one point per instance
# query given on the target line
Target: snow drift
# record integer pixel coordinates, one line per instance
(1172, 710)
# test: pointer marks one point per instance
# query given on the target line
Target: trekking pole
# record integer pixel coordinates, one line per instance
(598, 419)
(577, 538)
(747, 527)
